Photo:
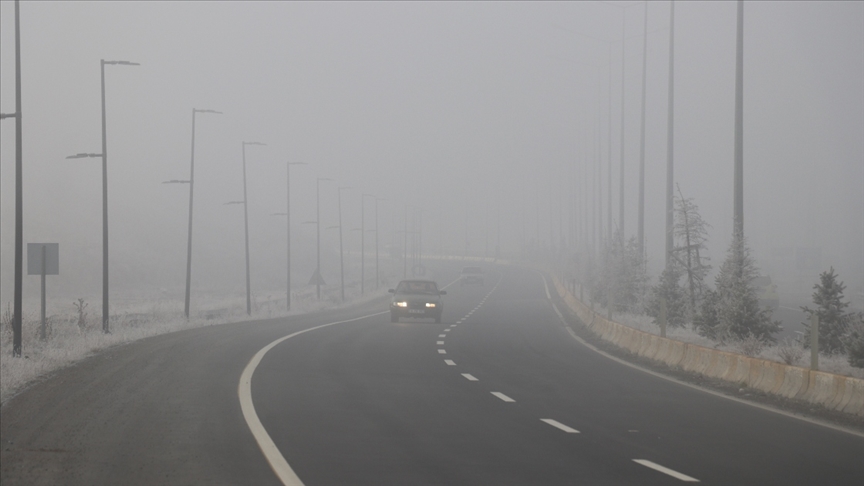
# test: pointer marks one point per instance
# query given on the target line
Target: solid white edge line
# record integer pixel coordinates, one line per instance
(244, 392)
(696, 387)
(559, 425)
(469, 377)
(502, 396)
(665, 470)
(450, 362)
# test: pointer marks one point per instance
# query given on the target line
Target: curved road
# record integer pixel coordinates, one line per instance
(499, 393)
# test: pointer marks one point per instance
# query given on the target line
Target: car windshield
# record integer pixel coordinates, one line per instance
(408, 287)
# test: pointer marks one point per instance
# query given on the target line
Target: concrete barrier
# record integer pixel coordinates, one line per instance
(739, 370)
(833, 391)
(795, 382)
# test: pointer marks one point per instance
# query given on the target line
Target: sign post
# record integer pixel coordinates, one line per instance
(43, 259)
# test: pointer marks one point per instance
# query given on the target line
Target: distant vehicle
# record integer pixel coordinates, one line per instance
(416, 298)
(766, 292)
(472, 275)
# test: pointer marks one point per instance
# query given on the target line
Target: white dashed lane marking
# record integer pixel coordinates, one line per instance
(503, 397)
(441, 351)
(665, 470)
(559, 425)
(446, 330)
(440, 343)
(469, 377)
(442, 335)
(450, 362)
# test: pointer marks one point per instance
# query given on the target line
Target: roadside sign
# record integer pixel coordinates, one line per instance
(34, 258)
(316, 279)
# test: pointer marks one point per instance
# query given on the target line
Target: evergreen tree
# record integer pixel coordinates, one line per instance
(623, 278)
(830, 309)
(676, 300)
(691, 231)
(855, 341)
(707, 321)
(738, 312)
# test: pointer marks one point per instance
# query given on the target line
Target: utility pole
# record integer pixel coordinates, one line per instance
(19, 199)
(739, 126)
(670, 132)
(641, 223)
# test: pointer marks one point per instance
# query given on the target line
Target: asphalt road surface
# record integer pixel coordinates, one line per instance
(498, 393)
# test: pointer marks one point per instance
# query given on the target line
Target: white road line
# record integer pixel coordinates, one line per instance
(439, 343)
(503, 397)
(666, 470)
(244, 392)
(450, 362)
(441, 351)
(469, 377)
(559, 425)
(446, 330)
(442, 335)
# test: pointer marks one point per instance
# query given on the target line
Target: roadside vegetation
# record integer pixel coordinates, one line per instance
(727, 316)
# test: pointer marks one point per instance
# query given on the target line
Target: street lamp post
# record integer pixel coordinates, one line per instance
(377, 277)
(288, 216)
(191, 189)
(318, 235)
(363, 242)
(104, 156)
(191, 182)
(341, 251)
(246, 229)
(19, 199)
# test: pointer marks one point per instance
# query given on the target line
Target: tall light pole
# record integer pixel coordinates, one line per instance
(377, 277)
(363, 241)
(246, 229)
(104, 155)
(19, 199)
(341, 251)
(195, 111)
(641, 221)
(288, 225)
(318, 233)
(287, 214)
(670, 179)
(621, 167)
(738, 190)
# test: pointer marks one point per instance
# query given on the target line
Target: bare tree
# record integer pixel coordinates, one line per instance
(692, 232)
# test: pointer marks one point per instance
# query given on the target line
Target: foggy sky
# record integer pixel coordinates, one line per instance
(460, 110)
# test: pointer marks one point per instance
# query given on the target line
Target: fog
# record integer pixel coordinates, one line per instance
(478, 116)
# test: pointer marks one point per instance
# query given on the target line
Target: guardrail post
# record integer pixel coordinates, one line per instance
(814, 342)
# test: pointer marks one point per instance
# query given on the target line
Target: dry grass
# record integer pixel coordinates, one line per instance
(69, 342)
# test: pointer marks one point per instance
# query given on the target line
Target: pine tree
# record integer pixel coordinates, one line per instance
(669, 289)
(692, 232)
(623, 278)
(707, 321)
(738, 312)
(830, 309)
(855, 341)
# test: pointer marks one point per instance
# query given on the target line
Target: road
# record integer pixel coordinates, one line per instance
(499, 393)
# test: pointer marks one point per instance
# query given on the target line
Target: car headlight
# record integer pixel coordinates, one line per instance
(430, 304)
(401, 304)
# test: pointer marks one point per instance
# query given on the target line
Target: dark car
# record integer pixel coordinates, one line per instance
(472, 275)
(416, 298)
